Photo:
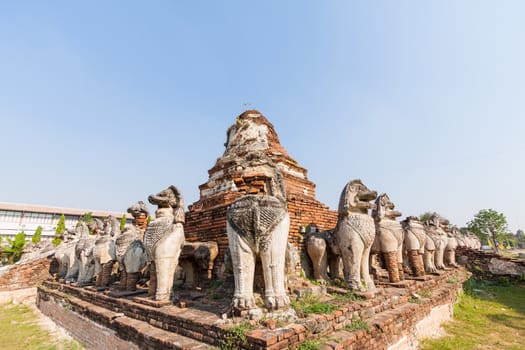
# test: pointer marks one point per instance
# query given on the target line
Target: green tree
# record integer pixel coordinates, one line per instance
(37, 236)
(87, 218)
(488, 224)
(425, 216)
(16, 247)
(61, 227)
(122, 222)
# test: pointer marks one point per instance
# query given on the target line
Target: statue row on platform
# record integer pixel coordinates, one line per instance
(367, 237)
(360, 240)
(142, 249)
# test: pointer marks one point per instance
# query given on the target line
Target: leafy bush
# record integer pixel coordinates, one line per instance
(16, 248)
(61, 227)
(122, 222)
(87, 218)
(37, 236)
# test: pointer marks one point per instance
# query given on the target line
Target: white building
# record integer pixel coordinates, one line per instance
(16, 217)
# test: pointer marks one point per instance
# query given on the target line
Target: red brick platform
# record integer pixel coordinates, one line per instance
(391, 314)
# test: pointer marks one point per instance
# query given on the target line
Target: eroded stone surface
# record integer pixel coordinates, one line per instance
(355, 233)
(504, 267)
(414, 245)
(257, 226)
(163, 241)
(130, 251)
(438, 245)
(389, 237)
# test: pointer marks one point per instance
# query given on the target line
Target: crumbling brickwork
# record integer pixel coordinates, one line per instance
(393, 316)
(25, 274)
(232, 176)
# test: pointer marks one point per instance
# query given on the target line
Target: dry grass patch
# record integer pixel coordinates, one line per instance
(20, 329)
(487, 316)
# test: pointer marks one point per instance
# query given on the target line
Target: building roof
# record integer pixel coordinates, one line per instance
(58, 210)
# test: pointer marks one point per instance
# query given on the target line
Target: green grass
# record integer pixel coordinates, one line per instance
(311, 304)
(310, 345)
(487, 316)
(350, 296)
(20, 330)
(357, 325)
(235, 336)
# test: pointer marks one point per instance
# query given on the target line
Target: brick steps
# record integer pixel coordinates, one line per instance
(388, 326)
(154, 338)
(141, 333)
(391, 314)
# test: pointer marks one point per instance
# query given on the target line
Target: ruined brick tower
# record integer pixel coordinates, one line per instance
(235, 174)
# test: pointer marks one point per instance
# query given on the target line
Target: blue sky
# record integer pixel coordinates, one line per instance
(103, 103)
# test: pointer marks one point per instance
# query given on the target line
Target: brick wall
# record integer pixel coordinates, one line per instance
(25, 274)
(91, 334)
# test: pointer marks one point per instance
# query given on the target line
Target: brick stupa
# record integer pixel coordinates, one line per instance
(236, 173)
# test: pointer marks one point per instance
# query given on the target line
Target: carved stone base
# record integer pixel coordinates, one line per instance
(370, 294)
(419, 278)
(96, 288)
(152, 280)
(392, 266)
(81, 284)
(131, 281)
(151, 302)
(401, 272)
(125, 293)
(401, 284)
(104, 277)
(416, 263)
(123, 280)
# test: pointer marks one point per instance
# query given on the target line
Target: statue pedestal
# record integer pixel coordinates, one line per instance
(125, 293)
(97, 289)
(151, 302)
(400, 284)
(419, 278)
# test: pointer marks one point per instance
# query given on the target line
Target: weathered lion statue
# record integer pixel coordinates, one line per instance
(65, 256)
(257, 225)
(414, 245)
(84, 251)
(104, 251)
(355, 233)
(389, 237)
(324, 254)
(131, 255)
(439, 237)
(449, 257)
(163, 240)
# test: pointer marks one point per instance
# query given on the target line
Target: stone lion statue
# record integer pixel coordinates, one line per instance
(439, 240)
(414, 245)
(163, 241)
(131, 255)
(257, 225)
(355, 233)
(389, 237)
